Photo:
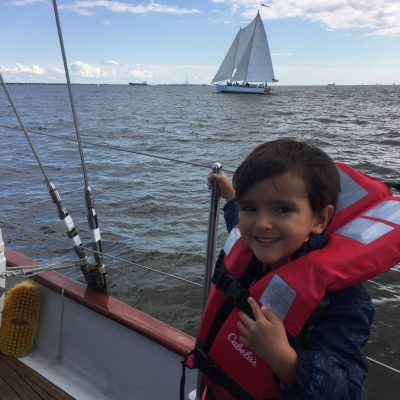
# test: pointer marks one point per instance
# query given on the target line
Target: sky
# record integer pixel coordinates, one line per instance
(312, 42)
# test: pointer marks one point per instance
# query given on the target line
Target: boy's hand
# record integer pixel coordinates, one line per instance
(266, 336)
(224, 183)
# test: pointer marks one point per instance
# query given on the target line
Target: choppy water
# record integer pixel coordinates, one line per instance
(152, 211)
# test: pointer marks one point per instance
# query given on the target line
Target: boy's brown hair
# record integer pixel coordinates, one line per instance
(280, 156)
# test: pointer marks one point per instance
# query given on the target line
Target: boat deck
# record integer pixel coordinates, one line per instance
(19, 382)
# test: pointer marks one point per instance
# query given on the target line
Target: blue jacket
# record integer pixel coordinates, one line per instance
(332, 366)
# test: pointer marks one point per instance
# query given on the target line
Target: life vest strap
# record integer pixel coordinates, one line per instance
(218, 376)
(232, 289)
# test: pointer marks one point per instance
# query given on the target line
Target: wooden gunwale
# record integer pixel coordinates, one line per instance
(155, 330)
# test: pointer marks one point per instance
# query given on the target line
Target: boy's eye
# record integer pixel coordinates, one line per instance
(283, 210)
(247, 208)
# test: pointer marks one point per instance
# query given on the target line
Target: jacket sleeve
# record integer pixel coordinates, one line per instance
(231, 214)
(332, 366)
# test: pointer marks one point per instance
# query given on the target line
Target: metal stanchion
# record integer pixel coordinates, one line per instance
(211, 247)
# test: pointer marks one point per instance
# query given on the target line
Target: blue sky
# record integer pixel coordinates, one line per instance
(165, 41)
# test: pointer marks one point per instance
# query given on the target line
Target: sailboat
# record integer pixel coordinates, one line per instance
(247, 67)
(88, 345)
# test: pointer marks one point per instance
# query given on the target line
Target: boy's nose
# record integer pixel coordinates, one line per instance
(263, 221)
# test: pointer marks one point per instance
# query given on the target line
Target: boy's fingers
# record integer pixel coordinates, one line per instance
(254, 307)
(244, 318)
(269, 314)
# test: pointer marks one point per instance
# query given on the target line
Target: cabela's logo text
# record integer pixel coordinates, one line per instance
(239, 347)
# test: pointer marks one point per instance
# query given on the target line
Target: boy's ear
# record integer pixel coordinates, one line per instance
(322, 218)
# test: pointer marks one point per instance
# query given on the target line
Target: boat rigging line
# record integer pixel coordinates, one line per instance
(95, 275)
(63, 214)
(17, 226)
(390, 183)
(29, 271)
(383, 365)
(118, 148)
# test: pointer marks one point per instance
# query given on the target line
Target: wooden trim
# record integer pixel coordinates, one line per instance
(167, 336)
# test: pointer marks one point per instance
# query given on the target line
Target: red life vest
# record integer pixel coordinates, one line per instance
(363, 241)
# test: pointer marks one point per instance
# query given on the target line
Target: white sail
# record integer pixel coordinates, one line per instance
(256, 63)
(225, 71)
(246, 35)
(235, 53)
(248, 58)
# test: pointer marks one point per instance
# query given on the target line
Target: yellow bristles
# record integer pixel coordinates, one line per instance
(20, 319)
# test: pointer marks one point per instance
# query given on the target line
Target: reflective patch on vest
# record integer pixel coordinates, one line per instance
(278, 296)
(364, 230)
(387, 210)
(234, 235)
(350, 193)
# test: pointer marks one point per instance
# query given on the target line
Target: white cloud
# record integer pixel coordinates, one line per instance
(18, 69)
(85, 7)
(26, 2)
(394, 31)
(82, 72)
(341, 76)
(58, 70)
(85, 70)
(112, 62)
(381, 17)
(140, 74)
(111, 73)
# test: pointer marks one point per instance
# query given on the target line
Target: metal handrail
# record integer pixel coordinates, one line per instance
(210, 252)
(212, 232)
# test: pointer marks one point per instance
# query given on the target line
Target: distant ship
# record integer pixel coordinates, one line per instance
(144, 83)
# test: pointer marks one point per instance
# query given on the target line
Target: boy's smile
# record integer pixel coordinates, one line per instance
(275, 218)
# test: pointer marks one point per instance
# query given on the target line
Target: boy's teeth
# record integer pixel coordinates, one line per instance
(266, 240)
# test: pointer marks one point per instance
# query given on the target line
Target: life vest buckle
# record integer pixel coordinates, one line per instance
(234, 291)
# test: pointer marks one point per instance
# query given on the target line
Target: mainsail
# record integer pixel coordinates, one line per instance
(248, 59)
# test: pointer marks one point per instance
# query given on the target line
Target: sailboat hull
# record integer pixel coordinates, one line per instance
(96, 348)
(242, 89)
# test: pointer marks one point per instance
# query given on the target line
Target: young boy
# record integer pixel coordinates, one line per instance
(286, 192)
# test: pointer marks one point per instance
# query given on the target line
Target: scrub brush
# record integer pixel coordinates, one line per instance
(20, 319)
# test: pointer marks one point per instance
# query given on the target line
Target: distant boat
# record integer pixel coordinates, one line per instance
(247, 67)
(331, 84)
(144, 83)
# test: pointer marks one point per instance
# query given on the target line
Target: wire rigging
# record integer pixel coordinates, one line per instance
(96, 276)
(121, 149)
(14, 225)
(63, 213)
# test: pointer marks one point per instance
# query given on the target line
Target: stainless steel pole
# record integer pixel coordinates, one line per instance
(211, 247)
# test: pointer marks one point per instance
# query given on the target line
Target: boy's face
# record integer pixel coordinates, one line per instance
(275, 218)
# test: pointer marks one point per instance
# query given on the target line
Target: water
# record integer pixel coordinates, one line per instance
(153, 211)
